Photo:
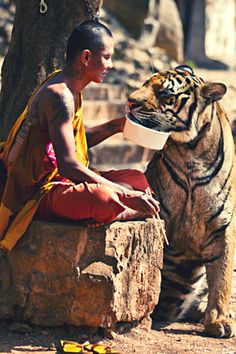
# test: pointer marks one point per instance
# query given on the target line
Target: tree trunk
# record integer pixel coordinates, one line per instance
(37, 48)
(192, 14)
(195, 41)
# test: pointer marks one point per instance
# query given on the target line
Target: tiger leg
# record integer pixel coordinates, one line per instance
(182, 285)
(218, 320)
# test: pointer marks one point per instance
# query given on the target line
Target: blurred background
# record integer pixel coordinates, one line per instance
(151, 36)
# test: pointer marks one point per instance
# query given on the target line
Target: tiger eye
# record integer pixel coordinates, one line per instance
(170, 101)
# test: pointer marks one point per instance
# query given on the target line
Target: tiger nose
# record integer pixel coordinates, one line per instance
(133, 103)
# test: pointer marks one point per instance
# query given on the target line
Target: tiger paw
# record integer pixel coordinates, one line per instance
(222, 328)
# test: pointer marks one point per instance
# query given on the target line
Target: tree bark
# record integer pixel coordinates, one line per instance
(192, 14)
(37, 48)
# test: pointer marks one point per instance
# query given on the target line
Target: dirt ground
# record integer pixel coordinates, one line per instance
(178, 338)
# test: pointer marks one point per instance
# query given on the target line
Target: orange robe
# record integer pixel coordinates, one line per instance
(25, 183)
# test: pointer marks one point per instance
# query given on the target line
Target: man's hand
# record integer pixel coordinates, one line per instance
(140, 201)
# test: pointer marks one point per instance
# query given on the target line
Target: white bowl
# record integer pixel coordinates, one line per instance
(143, 136)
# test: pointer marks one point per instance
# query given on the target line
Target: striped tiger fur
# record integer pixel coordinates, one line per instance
(194, 180)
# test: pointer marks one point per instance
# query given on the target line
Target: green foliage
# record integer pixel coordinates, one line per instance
(191, 63)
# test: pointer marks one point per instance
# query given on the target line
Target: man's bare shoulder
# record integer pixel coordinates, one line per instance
(57, 93)
(58, 102)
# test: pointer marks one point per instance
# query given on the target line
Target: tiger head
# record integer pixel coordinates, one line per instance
(175, 101)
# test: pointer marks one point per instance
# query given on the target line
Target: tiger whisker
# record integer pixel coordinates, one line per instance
(156, 218)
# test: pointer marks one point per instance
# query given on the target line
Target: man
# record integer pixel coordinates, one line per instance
(45, 155)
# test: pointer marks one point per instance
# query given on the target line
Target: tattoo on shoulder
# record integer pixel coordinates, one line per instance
(62, 108)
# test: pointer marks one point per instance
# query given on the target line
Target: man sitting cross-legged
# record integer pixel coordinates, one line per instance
(45, 157)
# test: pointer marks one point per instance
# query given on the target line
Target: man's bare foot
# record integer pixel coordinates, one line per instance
(125, 215)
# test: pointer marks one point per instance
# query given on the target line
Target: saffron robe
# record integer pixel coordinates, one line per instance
(26, 181)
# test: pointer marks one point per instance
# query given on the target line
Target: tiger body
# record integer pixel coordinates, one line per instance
(194, 180)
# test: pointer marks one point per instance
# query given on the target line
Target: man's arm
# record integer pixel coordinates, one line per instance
(99, 133)
(59, 109)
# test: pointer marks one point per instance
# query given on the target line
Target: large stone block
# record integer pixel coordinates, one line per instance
(62, 273)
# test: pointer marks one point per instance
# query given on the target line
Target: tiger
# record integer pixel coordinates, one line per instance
(193, 178)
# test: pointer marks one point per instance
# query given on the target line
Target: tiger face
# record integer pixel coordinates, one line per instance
(175, 101)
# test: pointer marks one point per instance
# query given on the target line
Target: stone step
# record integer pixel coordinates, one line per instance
(119, 152)
(96, 112)
(104, 92)
(103, 102)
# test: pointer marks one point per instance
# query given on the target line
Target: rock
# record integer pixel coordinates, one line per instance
(163, 28)
(130, 13)
(19, 327)
(63, 273)
(170, 35)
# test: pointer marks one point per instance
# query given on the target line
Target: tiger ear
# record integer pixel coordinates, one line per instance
(213, 92)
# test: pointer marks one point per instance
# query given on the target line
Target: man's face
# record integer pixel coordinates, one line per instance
(100, 62)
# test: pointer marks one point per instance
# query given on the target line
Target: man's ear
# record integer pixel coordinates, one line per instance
(85, 56)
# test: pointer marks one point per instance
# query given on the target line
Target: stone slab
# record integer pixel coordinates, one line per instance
(64, 273)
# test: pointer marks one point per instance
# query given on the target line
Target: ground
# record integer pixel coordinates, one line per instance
(178, 338)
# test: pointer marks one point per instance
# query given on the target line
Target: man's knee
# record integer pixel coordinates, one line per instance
(105, 202)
